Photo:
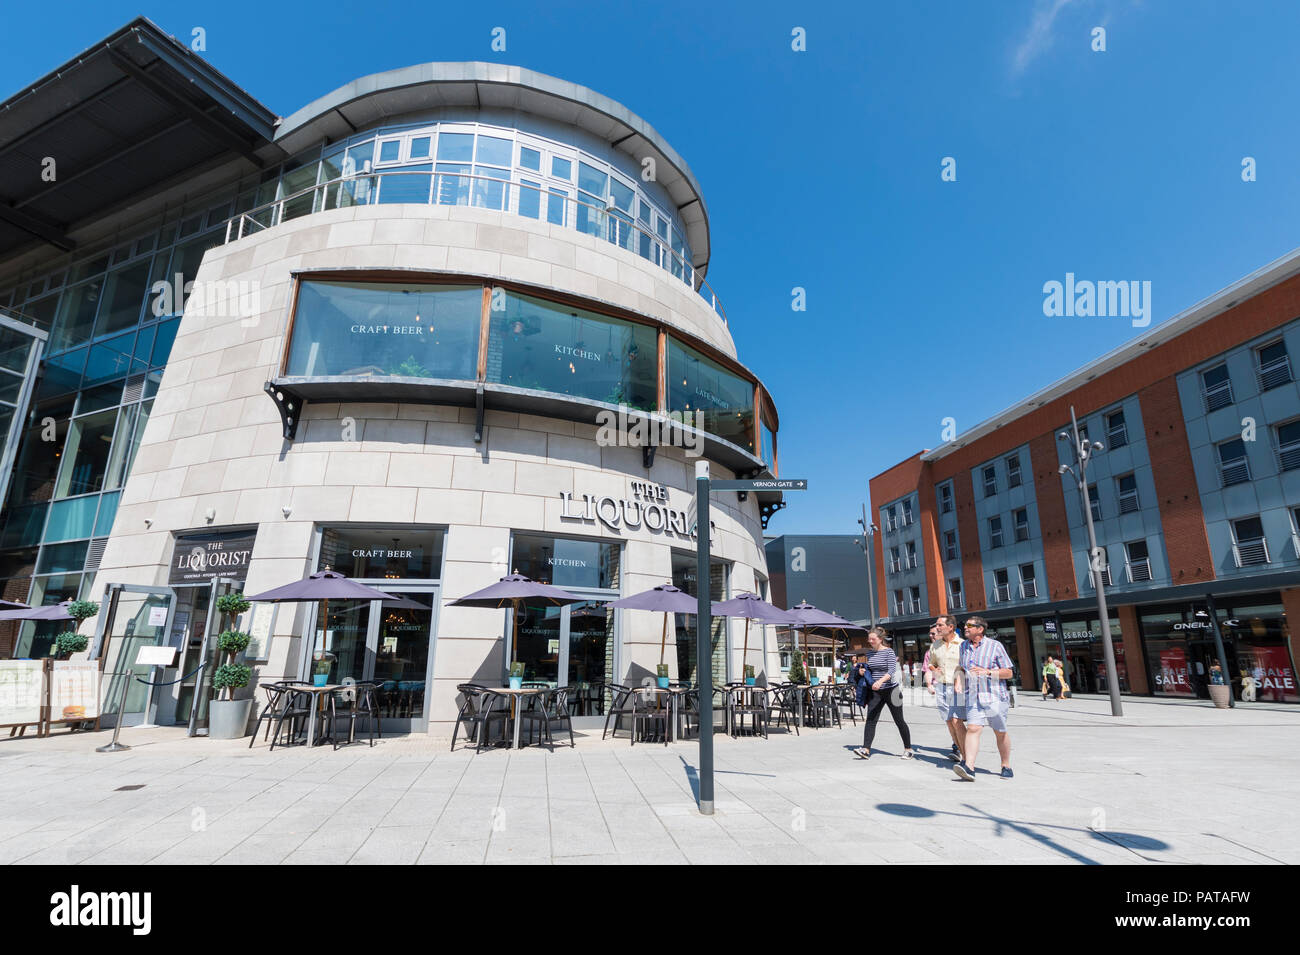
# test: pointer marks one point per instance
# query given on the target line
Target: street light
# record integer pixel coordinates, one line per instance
(868, 537)
(1083, 452)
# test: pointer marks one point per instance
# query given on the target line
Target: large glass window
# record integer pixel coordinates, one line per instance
(85, 462)
(566, 562)
(697, 383)
(124, 296)
(77, 315)
(382, 552)
(545, 346)
(685, 578)
(378, 330)
(38, 459)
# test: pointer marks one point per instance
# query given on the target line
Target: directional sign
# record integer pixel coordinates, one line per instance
(760, 484)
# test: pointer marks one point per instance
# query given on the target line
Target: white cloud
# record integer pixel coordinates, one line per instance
(1038, 38)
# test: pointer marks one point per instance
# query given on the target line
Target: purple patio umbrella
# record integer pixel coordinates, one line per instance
(807, 617)
(323, 585)
(664, 599)
(751, 607)
(58, 611)
(13, 605)
(512, 592)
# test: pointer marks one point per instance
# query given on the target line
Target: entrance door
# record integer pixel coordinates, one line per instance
(136, 617)
(571, 646)
(384, 641)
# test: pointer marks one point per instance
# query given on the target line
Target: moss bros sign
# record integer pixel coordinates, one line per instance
(647, 509)
(199, 559)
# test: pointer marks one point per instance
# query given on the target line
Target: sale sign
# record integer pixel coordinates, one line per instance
(1271, 671)
(1171, 678)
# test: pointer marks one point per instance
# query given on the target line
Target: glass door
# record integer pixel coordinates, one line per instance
(136, 617)
(589, 644)
(208, 653)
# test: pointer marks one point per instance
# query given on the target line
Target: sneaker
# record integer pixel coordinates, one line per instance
(955, 751)
(955, 757)
(907, 754)
(964, 773)
(862, 753)
(1007, 773)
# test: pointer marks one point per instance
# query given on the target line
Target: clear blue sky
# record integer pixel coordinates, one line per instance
(821, 169)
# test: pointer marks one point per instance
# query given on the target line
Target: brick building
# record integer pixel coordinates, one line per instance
(1195, 499)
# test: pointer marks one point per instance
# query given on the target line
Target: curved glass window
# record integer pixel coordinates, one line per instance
(546, 346)
(697, 383)
(386, 330)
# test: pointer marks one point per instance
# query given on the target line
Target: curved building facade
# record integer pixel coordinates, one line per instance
(460, 327)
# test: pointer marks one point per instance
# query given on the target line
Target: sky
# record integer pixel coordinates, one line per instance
(823, 169)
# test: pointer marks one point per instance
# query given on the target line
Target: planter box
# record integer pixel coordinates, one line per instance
(1221, 695)
(228, 719)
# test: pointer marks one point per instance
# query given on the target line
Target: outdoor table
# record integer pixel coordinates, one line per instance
(516, 696)
(317, 698)
(674, 694)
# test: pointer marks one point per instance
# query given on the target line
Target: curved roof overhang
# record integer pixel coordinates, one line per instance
(373, 99)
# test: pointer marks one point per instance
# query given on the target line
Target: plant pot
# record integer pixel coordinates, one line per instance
(1221, 695)
(319, 679)
(814, 681)
(228, 719)
(516, 682)
(749, 680)
(662, 681)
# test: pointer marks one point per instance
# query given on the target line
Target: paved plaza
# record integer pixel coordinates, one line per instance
(1170, 782)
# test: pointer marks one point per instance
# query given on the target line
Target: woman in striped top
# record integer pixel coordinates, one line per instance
(878, 671)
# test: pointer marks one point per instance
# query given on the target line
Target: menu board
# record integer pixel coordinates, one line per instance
(21, 685)
(74, 690)
(259, 630)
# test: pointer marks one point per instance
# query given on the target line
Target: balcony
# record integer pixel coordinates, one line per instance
(1251, 553)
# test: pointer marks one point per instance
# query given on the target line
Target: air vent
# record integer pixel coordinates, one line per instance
(134, 389)
(95, 553)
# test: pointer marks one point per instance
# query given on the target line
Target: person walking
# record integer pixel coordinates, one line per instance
(1051, 682)
(985, 668)
(943, 662)
(879, 669)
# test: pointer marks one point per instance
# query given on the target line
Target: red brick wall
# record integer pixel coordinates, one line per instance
(1181, 518)
(903, 478)
(1133, 659)
(1053, 524)
(968, 533)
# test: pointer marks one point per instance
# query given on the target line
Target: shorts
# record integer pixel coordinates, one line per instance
(948, 701)
(991, 713)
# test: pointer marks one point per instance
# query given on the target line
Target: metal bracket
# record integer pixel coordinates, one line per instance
(478, 415)
(744, 495)
(290, 404)
(767, 510)
(648, 456)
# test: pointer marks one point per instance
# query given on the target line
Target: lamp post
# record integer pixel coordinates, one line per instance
(867, 544)
(1083, 452)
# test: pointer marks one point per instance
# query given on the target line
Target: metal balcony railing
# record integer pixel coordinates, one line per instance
(1218, 396)
(1028, 589)
(1288, 456)
(1002, 593)
(1251, 553)
(1236, 471)
(956, 601)
(1128, 502)
(1138, 570)
(1274, 373)
(484, 192)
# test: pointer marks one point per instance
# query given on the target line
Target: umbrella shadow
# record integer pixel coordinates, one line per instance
(1126, 840)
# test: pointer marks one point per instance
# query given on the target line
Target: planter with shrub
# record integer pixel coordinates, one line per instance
(70, 642)
(227, 716)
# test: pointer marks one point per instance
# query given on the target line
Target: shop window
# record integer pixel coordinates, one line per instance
(685, 578)
(375, 330)
(545, 346)
(699, 384)
(374, 553)
(565, 561)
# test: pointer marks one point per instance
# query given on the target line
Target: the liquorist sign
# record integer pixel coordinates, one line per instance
(648, 509)
(201, 558)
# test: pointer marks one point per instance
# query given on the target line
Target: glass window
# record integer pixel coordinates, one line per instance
(85, 462)
(546, 346)
(622, 195)
(382, 552)
(1022, 524)
(107, 512)
(698, 384)
(71, 520)
(23, 525)
(530, 199)
(592, 180)
(77, 315)
(950, 545)
(769, 446)
(406, 186)
(294, 181)
(130, 428)
(685, 578)
(562, 168)
(124, 296)
(41, 448)
(530, 159)
(453, 184)
(1116, 430)
(420, 147)
(163, 344)
(995, 532)
(186, 258)
(565, 561)
(456, 146)
(1094, 502)
(990, 481)
(490, 149)
(390, 150)
(490, 188)
(110, 360)
(1013, 471)
(379, 330)
(557, 206)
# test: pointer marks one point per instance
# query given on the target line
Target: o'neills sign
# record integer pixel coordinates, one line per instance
(200, 559)
(648, 509)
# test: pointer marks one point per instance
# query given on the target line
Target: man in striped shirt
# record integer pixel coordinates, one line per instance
(985, 667)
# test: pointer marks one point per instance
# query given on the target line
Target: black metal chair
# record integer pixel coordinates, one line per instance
(847, 701)
(619, 708)
(648, 708)
(544, 710)
(357, 700)
(475, 713)
(752, 703)
(284, 703)
(783, 707)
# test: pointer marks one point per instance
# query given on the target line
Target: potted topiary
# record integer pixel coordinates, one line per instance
(227, 716)
(661, 675)
(796, 672)
(322, 663)
(70, 642)
(749, 674)
(516, 675)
